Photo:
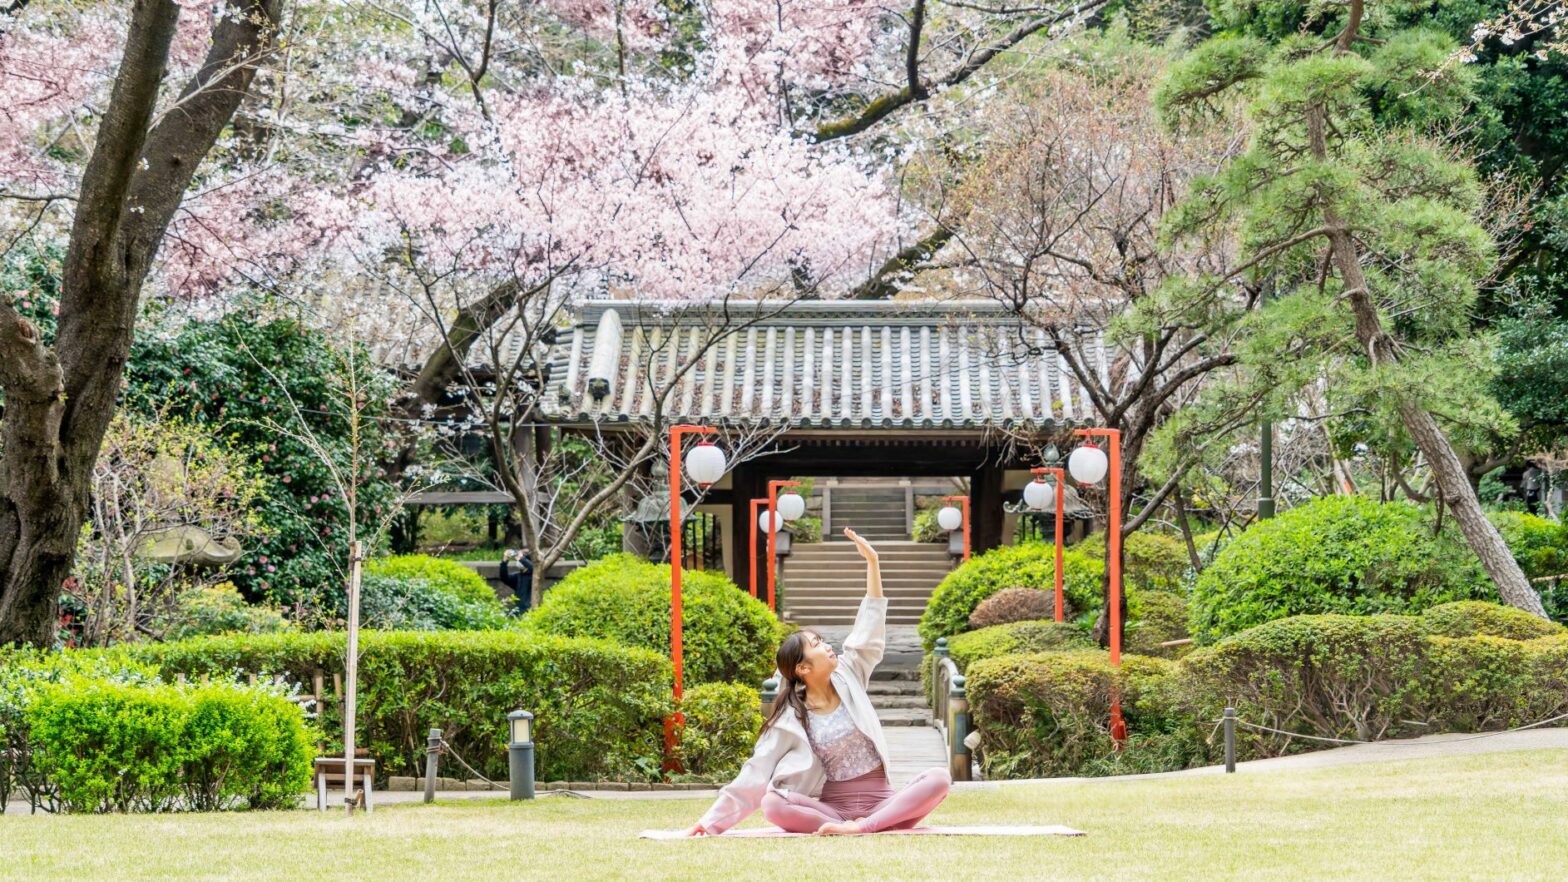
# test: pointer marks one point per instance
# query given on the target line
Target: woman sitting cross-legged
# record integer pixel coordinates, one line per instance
(820, 764)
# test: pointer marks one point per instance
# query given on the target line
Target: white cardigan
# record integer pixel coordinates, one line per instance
(783, 759)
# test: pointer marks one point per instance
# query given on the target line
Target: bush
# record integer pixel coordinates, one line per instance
(1150, 561)
(728, 636)
(1013, 639)
(1540, 545)
(1046, 714)
(1469, 618)
(1014, 605)
(388, 603)
(219, 609)
(1333, 676)
(722, 724)
(446, 576)
(1030, 565)
(1153, 618)
(109, 746)
(599, 707)
(1337, 554)
(927, 529)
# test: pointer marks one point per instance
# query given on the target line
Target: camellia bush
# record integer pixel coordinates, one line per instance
(728, 636)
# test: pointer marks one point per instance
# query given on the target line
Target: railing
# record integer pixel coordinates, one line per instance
(701, 545)
(1035, 527)
(950, 710)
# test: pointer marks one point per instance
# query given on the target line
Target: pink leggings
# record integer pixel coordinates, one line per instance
(867, 797)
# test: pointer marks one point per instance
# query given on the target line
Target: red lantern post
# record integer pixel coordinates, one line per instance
(1113, 544)
(756, 518)
(773, 533)
(676, 629)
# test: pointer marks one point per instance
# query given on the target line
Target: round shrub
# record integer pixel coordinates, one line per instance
(1153, 618)
(1030, 565)
(598, 706)
(1015, 638)
(1336, 554)
(1014, 605)
(446, 576)
(722, 724)
(727, 635)
(1471, 618)
(394, 603)
(1150, 561)
(219, 609)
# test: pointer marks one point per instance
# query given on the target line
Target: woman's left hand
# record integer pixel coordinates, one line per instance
(866, 551)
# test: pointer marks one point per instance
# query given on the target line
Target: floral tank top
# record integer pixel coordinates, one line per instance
(844, 750)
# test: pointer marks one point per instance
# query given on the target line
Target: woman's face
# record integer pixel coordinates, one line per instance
(819, 658)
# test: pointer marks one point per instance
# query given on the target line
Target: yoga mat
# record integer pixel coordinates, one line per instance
(971, 830)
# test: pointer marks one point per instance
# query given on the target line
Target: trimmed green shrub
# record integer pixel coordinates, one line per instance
(1032, 565)
(1540, 545)
(1470, 618)
(446, 576)
(722, 724)
(1014, 605)
(1337, 554)
(1014, 639)
(389, 603)
(727, 635)
(219, 609)
(1046, 714)
(108, 746)
(599, 707)
(1333, 676)
(1153, 618)
(1150, 561)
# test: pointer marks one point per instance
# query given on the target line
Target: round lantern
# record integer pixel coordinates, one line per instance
(1088, 464)
(1039, 495)
(762, 521)
(705, 464)
(791, 506)
(950, 518)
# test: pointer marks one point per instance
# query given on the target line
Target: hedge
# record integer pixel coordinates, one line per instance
(98, 732)
(446, 576)
(727, 635)
(1328, 676)
(1155, 618)
(1337, 554)
(416, 592)
(598, 706)
(1469, 618)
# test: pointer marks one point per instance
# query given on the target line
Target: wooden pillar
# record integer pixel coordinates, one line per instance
(985, 508)
(746, 484)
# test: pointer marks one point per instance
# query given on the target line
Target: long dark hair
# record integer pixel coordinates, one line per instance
(792, 691)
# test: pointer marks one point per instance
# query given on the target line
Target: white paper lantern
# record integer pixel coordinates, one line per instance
(705, 464)
(950, 518)
(1088, 464)
(1039, 495)
(762, 521)
(791, 506)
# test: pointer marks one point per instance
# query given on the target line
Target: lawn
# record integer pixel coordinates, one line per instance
(1495, 816)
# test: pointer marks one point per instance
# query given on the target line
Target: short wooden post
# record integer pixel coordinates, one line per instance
(432, 763)
(1230, 739)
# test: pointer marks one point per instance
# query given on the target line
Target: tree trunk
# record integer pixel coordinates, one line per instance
(1452, 479)
(59, 401)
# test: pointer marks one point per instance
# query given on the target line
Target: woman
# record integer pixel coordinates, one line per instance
(820, 764)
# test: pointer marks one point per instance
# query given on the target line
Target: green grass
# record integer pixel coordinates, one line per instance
(1496, 816)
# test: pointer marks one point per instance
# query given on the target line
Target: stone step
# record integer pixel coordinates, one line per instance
(904, 717)
(881, 688)
(886, 552)
(899, 702)
(851, 595)
(886, 673)
(890, 569)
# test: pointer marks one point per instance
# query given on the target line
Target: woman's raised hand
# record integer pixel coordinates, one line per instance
(866, 551)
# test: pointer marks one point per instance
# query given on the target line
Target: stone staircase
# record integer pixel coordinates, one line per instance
(895, 693)
(876, 513)
(824, 581)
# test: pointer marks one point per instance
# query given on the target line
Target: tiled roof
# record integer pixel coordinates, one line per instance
(818, 364)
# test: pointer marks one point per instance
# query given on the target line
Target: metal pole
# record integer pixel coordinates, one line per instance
(1266, 491)
(1061, 490)
(1230, 739)
(773, 534)
(756, 516)
(675, 591)
(432, 763)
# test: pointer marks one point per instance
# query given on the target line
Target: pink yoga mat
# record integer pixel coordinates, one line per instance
(973, 830)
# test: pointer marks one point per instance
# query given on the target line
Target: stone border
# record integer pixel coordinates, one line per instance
(405, 783)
